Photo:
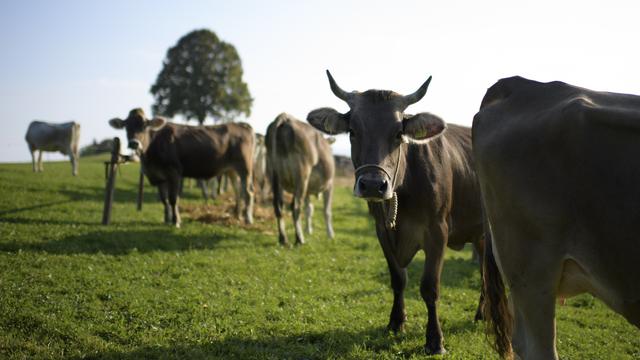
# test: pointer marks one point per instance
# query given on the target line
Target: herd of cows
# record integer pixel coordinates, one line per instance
(544, 184)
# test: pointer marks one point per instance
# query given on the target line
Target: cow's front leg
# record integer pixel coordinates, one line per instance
(398, 275)
(434, 247)
(34, 159)
(398, 315)
(40, 167)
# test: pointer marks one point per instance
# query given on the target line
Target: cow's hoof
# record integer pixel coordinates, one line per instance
(397, 328)
(435, 350)
(479, 316)
(177, 225)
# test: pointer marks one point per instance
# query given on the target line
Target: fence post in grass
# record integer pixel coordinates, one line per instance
(140, 187)
(112, 168)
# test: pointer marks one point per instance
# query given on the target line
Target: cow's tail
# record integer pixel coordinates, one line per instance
(496, 312)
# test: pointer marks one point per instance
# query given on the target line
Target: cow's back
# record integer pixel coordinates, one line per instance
(199, 152)
(53, 137)
(296, 150)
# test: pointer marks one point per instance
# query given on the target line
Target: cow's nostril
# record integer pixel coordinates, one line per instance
(361, 185)
(383, 187)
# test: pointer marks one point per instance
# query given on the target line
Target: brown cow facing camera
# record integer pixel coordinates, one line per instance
(416, 173)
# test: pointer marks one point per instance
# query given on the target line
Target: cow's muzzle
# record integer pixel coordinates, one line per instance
(373, 186)
(134, 144)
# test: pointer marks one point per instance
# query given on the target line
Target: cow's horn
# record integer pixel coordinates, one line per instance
(341, 94)
(419, 94)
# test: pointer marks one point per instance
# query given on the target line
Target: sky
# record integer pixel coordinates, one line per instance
(91, 61)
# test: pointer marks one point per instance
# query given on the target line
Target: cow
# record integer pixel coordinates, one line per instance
(44, 136)
(299, 160)
(559, 175)
(177, 151)
(260, 181)
(416, 174)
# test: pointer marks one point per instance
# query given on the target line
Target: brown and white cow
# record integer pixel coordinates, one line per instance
(559, 171)
(178, 151)
(417, 176)
(299, 160)
(43, 136)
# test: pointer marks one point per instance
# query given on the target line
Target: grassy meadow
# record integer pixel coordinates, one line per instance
(139, 289)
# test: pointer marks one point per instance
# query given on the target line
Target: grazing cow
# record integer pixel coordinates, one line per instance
(202, 152)
(43, 136)
(261, 184)
(559, 175)
(299, 160)
(419, 182)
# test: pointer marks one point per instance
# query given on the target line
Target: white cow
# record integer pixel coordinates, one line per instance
(43, 136)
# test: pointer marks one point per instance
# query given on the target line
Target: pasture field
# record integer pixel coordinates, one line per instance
(138, 289)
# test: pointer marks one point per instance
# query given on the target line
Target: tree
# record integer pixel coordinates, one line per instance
(201, 76)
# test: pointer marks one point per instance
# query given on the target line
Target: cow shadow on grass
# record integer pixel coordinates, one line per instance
(456, 272)
(118, 242)
(337, 343)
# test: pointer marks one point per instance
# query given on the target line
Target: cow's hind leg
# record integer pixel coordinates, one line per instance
(430, 285)
(277, 209)
(74, 164)
(174, 189)
(327, 196)
(298, 196)
(534, 305)
(479, 250)
(247, 194)
(308, 213)
(204, 187)
(163, 191)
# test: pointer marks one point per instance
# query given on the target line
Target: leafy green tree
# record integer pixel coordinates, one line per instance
(201, 76)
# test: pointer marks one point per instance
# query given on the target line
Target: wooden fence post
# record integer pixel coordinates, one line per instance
(140, 187)
(111, 181)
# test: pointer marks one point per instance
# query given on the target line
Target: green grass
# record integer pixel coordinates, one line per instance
(72, 288)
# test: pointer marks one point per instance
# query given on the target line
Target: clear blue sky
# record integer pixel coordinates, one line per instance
(91, 61)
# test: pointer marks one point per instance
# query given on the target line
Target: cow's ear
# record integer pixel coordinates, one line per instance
(116, 123)
(329, 121)
(157, 122)
(422, 127)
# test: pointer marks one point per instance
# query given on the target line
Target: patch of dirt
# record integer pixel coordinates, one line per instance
(222, 210)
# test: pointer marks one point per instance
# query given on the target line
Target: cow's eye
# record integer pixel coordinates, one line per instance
(399, 135)
(352, 133)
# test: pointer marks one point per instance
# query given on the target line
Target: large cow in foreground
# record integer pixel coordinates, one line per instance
(419, 181)
(559, 171)
(299, 160)
(178, 151)
(43, 136)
